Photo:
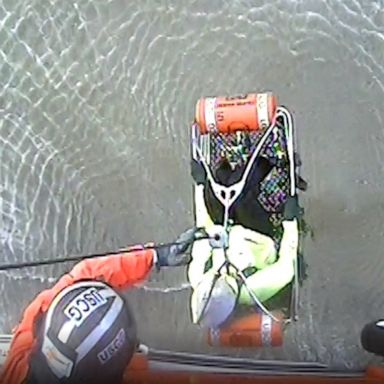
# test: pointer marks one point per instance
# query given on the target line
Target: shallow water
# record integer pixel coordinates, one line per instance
(95, 102)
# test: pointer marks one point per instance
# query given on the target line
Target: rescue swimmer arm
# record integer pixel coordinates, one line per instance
(269, 281)
(129, 268)
(119, 271)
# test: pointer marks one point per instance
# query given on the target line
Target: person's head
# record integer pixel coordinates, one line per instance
(87, 335)
(372, 337)
(214, 300)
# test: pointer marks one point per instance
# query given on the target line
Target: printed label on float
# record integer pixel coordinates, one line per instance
(262, 110)
(266, 330)
(210, 119)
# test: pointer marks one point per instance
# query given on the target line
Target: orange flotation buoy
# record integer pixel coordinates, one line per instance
(254, 330)
(251, 112)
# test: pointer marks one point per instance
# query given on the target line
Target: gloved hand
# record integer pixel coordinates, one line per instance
(291, 208)
(174, 255)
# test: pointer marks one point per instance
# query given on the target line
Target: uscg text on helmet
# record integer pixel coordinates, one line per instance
(83, 305)
(112, 348)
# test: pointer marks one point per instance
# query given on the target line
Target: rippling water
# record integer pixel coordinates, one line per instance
(95, 101)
